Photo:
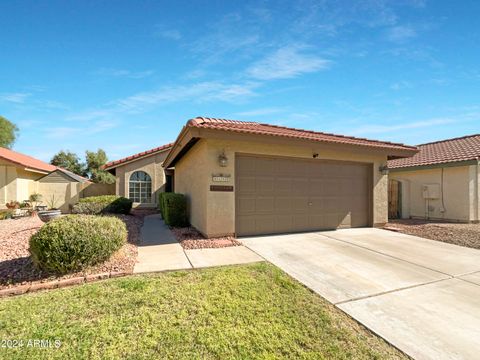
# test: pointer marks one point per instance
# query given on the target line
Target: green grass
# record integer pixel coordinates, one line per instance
(238, 312)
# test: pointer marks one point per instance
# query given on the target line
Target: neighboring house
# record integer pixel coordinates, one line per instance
(247, 178)
(22, 175)
(442, 181)
(141, 177)
(61, 188)
(18, 175)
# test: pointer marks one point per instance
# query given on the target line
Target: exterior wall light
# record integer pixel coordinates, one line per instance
(222, 159)
(383, 169)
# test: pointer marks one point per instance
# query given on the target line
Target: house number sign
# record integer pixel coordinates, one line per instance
(225, 188)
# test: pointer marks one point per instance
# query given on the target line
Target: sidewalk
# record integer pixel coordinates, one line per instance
(160, 251)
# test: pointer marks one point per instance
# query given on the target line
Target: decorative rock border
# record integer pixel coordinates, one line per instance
(62, 283)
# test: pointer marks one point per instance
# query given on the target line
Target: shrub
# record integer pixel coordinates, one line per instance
(161, 203)
(103, 204)
(6, 214)
(73, 242)
(174, 209)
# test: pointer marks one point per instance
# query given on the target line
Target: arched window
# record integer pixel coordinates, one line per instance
(140, 187)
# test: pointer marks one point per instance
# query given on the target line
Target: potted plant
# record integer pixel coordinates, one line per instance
(12, 205)
(34, 199)
(52, 212)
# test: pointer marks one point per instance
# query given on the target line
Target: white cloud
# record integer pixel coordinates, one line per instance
(260, 112)
(401, 33)
(199, 92)
(171, 34)
(287, 62)
(124, 73)
(62, 132)
(17, 98)
(399, 85)
(378, 129)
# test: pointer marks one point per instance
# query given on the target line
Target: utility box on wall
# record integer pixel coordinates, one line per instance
(431, 191)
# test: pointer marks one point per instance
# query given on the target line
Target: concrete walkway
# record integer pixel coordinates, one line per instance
(420, 295)
(160, 251)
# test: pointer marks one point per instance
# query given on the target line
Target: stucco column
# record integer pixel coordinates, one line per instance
(473, 192)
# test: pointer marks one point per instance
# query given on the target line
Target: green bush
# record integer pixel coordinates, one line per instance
(6, 214)
(161, 203)
(73, 242)
(174, 211)
(94, 205)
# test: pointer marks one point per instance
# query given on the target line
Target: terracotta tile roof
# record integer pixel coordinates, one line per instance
(25, 160)
(113, 164)
(281, 131)
(451, 150)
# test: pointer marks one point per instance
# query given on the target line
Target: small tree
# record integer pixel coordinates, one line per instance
(8, 133)
(70, 161)
(95, 161)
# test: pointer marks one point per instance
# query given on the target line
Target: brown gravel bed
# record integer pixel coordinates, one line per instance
(454, 233)
(190, 238)
(17, 268)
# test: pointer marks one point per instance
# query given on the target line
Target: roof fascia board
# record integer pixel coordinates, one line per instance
(137, 158)
(435, 166)
(185, 136)
(229, 135)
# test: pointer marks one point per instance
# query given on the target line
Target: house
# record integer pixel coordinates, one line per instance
(248, 178)
(18, 175)
(61, 188)
(441, 181)
(22, 175)
(141, 177)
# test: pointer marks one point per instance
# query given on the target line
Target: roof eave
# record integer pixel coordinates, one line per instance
(191, 132)
(114, 166)
(436, 165)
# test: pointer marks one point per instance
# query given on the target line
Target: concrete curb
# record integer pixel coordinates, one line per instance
(62, 283)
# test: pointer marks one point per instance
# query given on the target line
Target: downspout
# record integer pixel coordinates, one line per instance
(477, 191)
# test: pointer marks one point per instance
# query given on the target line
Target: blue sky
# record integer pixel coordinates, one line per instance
(126, 75)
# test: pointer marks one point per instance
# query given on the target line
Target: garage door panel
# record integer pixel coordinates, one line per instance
(300, 186)
(275, 195)
(265, 204)
(283, 185)
(246, 184)
(246, 205)
(264, 166)
(283, 205)
(264, 184)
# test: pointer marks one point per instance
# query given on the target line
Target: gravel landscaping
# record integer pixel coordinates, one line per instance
(191, 238)
(454, 233)
(16, 267)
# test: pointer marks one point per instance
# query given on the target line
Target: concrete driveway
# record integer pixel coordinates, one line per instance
(421, 295)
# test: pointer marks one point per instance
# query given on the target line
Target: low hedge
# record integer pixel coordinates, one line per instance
(6, 214)
(74, 242)
(94, 205)
(173, 208)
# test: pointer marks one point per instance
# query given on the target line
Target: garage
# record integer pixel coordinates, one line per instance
(245, 178)
(280, 195)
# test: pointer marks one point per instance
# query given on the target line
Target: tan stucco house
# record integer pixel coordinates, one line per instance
(441, 181)
(22, 175)
(141, 177)
(18, 175)
(247, 178)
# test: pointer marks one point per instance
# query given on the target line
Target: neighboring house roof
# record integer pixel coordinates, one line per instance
(25, 161)
(113, 164)
(249, 127)
(460, 149)
(68, 174)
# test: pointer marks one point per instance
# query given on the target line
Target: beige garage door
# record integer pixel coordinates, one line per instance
(277, 195)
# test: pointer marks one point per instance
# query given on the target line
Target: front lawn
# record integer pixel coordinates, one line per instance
(241, 312)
